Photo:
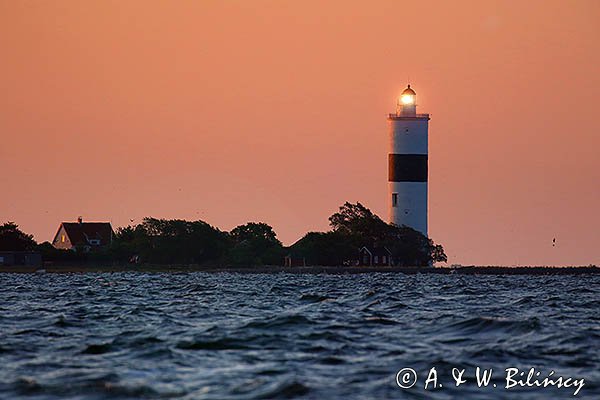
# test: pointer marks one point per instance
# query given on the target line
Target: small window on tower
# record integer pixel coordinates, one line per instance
(394, 199)
(62, 238)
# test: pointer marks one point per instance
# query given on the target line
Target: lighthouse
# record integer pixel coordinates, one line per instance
(407, 164)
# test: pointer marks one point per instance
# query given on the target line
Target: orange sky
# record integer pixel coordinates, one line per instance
(275, 111)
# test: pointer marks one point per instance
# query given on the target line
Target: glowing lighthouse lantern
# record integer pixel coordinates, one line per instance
(407, 104)
(407, 164)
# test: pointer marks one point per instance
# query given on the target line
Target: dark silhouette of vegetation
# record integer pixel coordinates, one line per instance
(254, 244)
(325, 248)
(175, 241)
(354, 226)
(13, 239)
(60, 256)
(162, 241)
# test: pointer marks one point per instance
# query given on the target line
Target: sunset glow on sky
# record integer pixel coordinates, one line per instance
(275, 111)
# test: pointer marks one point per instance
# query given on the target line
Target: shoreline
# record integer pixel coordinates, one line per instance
(463, 270)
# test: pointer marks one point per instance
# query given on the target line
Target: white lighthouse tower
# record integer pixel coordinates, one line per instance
(407, 161)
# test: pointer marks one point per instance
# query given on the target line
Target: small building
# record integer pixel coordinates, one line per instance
(293, 260)
(85, 236)
(374, 256)
(20, 258)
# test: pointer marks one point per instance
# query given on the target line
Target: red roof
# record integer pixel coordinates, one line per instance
(82, 233)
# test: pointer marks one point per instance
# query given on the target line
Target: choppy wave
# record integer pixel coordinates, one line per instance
(229, 336)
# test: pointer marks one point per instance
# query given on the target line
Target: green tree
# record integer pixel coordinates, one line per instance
(324, 248)
(437, 253)
(254, 243)
(361, 227)
(51, 254)
(412, 248)
(256, 231)
(13, 239)
(164, 241)
(356, 219)
(128, 242)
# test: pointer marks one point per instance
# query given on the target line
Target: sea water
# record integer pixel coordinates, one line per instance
(263, 336)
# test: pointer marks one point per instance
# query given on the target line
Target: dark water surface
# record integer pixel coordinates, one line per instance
(233, 336)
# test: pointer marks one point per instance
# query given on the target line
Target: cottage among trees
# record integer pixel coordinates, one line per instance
(83, 236)
(375, 256)
(358, 236)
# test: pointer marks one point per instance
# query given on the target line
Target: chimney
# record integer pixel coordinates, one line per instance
(79, 220)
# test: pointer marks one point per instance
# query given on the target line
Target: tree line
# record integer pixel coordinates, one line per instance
(175, 241)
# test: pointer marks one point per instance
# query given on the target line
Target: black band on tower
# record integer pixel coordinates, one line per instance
(407, 168)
